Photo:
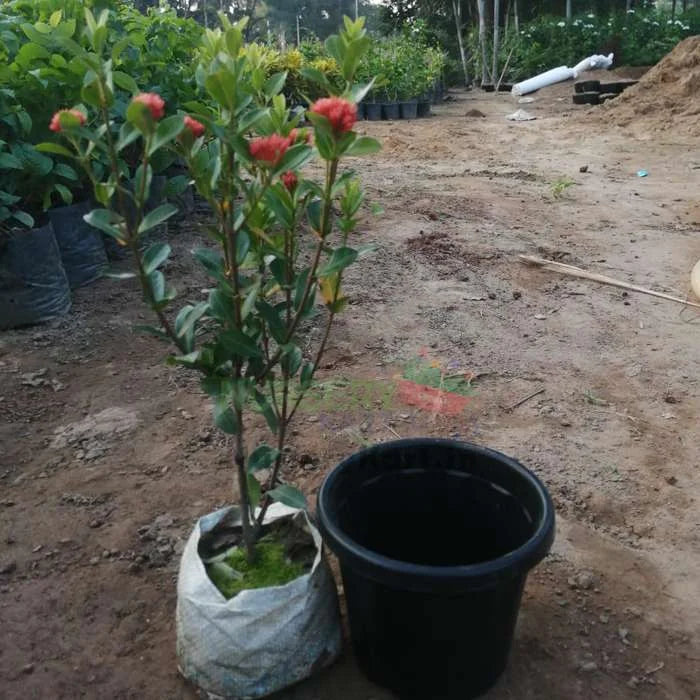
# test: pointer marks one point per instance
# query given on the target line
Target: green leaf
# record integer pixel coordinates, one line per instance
(340, 259)
(66, 171)
(253, 491)
(10, 162)
(249, 301)
(65, 194)
(185, 321)
(125, 82)
(291, 359)
(140, 116)
(156, 281)
(105, 220)
(262, 457)
(220, 306)
(48, 147)
(127, 134)
(155, 255)
(242, 246)
(362, 146)
(275, 324)
(157, 216)
(24, 218)
(166, 132)
(358, 92)
(288, 495)
(212, 261)
(275, 83)
(306, 376)
(316, 76)
(267, 410)
(294, 158)
(238, 344)
(224, 417)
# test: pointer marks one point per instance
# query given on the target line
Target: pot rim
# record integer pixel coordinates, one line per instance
(479, 576)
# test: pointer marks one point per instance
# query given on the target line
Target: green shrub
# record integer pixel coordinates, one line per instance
(636, 38)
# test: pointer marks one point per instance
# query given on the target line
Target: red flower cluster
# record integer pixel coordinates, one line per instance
(155, 103)
(341, 113)
(55, 124)
(197, 128)
(269, 149)
(289, 180)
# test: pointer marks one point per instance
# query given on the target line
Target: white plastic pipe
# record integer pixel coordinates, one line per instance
(556, 75)
(593, 62)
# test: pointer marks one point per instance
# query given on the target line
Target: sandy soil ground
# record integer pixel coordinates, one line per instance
(107, 456)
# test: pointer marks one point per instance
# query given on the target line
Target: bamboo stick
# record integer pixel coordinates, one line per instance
(573, 271)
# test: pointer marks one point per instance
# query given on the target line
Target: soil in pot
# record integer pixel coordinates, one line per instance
(391, 111)
(281, 556)
(435, 539)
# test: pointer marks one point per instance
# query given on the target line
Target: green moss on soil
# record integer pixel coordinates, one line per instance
(271, 568)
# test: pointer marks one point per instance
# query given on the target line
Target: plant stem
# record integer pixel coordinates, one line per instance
(331, 172)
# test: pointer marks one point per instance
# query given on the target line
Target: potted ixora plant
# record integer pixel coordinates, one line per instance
(256, 602)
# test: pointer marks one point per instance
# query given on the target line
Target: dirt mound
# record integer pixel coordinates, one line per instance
(668, 96)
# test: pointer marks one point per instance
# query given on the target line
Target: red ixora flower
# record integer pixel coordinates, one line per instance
(197, 128)
(269, 149)
(289, 180)
(341, 113)
(55, 124)
(155, 103)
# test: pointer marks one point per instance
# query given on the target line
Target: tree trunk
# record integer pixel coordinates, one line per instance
(673, 9)
(206, 15)
(516, 19)
(628, 5)
(457, 12)
(496, 36)
(568, 10)
(481, 6)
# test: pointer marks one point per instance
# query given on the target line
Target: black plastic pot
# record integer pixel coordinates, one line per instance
(586, 98)
(33, 283)
(361, 111)
(391, 111)
(488, 87)
(616, 88)
(588, 86)
(82, 249)
(435, 539)
(373, 111)
(423, 109)
(408, 110)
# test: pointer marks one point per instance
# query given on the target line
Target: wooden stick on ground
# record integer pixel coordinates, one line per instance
(573, 271)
